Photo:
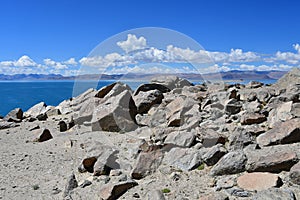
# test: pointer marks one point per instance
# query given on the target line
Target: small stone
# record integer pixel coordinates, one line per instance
(258, 181)
(85, 183)
(155, 195)
(63, 126)
(252, 118)
(136, 195)
(274, 193)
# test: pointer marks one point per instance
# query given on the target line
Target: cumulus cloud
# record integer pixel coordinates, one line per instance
(132, 43)
(24, 61)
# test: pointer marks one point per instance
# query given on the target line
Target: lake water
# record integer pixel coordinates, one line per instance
(26, 94)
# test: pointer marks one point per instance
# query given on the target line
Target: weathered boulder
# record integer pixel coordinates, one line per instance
(283, 133)
(36, 110)
(114, 191)
(116, 114)
(145, 100)
(292, 77)
(295, 174)
(258, 181)
(44, 135)
(181, 138)
(280, 114)
(52, 111)
(178, 110)
(209, 137)
(151, 86)
(147, 163)
(15, 115)
(100, 159)
(232, 106)
(252, 118)
(213, 155)
(85, 113)
(239, 139)
(5, 124)
(271, 159)
(274, 193)
(171, 82)
(232, 163)
(183, 158)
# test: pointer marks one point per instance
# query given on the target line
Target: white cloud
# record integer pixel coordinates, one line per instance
(71, 61)
(24, 61)
(132, 43)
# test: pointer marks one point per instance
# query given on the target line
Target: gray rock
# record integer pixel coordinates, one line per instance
(292, 77)
(213, 155)
(295, 174)
(181, 138)
(271, 159)
(145, 100)
(16, 115)
(280, 114)
(231, 163)
(183, 158)
(209, 137)
(36, 110)
(155, 195)
(71, 185)
(6, 125)
(42, 117)
(283, 133)
(239, 139)
(116, 114)
(147, 163)
(114, 191)
(171, 82)
(151, 86)
(274, 193)
(232, 106)
(100, 159)
(52, 111)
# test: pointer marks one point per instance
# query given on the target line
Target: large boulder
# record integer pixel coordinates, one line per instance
(271, 159)
(280, 114)
(171, 82)
(36, 110)
(147, 163)
(100, 159)
(283, 133)
(16, 115)
(181, 138)
(114, 191)
(151, 86)
(145, 100)
(232, 163)
(292, 77)
(183, 158)
(116, 114)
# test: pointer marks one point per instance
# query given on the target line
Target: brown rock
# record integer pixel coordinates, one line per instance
(258, 181)
(114, 191)
(252, 118)
(284, 133)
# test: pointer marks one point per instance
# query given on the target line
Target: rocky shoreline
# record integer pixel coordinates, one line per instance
(168, 139)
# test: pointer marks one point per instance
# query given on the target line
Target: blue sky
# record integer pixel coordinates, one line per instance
(55, 35)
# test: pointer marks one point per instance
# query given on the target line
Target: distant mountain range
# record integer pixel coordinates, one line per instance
(230, 75)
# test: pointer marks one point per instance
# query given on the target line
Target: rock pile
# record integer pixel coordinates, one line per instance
(242, 141)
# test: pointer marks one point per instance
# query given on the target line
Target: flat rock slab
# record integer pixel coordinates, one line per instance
(284, 133)
(295, 174)
(252, 118)
(258, 181)
(274, 194)
(274, 159)
(114, 191)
